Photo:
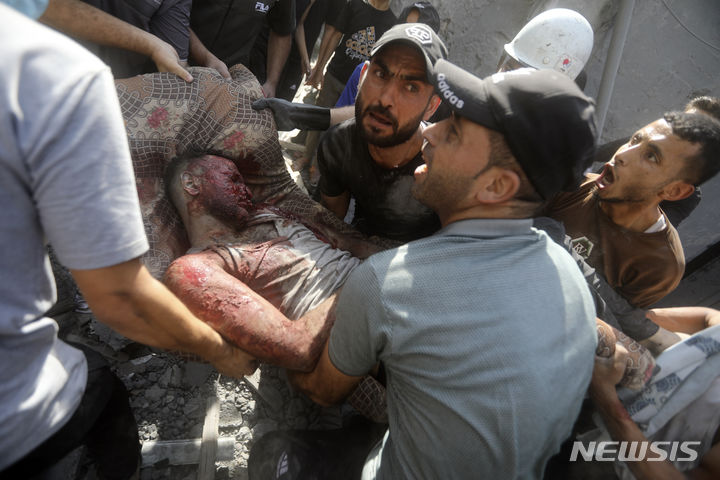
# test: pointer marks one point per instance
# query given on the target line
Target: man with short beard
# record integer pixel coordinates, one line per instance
(486, 328)
(615, 220)
(372, 157)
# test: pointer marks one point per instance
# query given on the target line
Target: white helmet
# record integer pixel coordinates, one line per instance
(560, 39)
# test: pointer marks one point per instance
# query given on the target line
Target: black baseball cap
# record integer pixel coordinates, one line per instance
(548, 123)
(418, 35)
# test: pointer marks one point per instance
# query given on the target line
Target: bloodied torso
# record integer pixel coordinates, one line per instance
(294, 271)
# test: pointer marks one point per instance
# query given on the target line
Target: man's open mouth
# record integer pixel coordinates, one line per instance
(607, 177)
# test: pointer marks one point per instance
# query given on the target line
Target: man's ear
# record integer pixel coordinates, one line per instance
(189, 183)
(677, 190)
(497, 185)
(433, 105)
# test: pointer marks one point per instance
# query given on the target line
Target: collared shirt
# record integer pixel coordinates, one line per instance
(486, 331)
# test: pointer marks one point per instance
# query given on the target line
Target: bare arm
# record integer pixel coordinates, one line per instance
(302, 50)
(676, 324)
(606, 374)
(86, 22)
(204, 57)
(685, 319)
(331, 39)
(206, 284)
(300, 40)
(277, 54)
(340, 114)
(325, 385)
(338, 205)
(128, 299)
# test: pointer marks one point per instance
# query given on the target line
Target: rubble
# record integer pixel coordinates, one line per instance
(169, 394)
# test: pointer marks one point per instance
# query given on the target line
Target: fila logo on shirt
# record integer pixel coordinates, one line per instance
(261, 7)
(421, 33)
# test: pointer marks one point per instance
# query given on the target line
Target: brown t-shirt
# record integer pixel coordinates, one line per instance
(643, 267)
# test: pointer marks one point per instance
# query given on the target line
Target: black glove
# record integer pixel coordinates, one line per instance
(290, 116)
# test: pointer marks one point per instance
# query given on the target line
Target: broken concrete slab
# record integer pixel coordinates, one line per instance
(184, 452)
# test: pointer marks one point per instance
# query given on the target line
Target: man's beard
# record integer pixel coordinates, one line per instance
(400, 133)
(618, 200)
(441, 191)
(639, 197)
(233, 214)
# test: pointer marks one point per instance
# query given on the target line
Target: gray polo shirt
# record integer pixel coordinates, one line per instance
(486, 331)
(66, 178)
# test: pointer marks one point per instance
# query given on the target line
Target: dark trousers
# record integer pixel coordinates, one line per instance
(103, 422)
(315, 454)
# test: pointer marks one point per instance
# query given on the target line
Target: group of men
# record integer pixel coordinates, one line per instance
(471, 364)
(615, 225)
(267, 36)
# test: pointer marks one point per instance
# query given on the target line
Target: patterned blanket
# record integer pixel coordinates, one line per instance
(165, 116)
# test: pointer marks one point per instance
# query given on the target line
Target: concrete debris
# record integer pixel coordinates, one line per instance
(197, 373)
(141, 360)
(184, 452)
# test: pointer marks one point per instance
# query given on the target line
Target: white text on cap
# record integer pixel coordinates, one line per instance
(447, 93)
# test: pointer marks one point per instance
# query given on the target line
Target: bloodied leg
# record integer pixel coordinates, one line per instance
(206, 283)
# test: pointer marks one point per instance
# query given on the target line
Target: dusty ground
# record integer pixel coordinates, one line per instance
(169, 396)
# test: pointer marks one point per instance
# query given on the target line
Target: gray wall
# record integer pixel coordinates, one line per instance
(663, 65)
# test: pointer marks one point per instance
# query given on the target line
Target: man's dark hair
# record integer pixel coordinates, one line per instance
(701, 129)
(707, 105)
(426, 12)
(501, 156)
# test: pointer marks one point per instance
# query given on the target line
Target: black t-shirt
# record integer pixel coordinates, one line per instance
(168, 20)
(362, 25)
(384, 204)
(320, 12)
(228, 28)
